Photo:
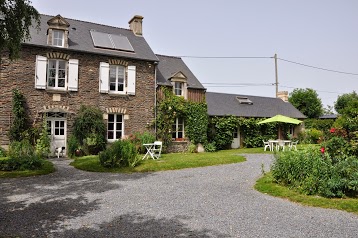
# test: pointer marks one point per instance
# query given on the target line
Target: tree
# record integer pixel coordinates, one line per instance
(344, 100)
(307, 102)
(16, 17)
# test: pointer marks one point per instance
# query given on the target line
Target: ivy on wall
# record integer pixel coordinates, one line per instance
(197, 122)
(170, 107)
(254, 134)
(20, 123)
(221, 131)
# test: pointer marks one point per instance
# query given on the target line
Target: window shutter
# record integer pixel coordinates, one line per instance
(73, 75)
(40, 74)
(131, 80)
(103, 77)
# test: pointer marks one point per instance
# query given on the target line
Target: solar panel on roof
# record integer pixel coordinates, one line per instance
(121, 43)
(101, 40)
(111, 41)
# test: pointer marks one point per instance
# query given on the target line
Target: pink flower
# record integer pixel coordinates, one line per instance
(322, 150)
(333, 130)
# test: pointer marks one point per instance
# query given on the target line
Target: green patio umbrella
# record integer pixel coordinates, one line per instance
(281, 118)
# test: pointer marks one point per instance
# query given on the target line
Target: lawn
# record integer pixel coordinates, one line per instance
(267, 186)
(47, 168)
(171, 161)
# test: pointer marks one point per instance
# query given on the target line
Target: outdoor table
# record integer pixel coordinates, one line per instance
(149, 147)
(276, 143)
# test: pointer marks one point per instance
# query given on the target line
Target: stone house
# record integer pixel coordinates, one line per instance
(247, 106)
(69, 63)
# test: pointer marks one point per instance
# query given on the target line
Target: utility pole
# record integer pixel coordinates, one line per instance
(276, 74)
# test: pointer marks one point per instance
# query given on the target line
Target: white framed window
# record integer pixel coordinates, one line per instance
(58, 38)
(117, 79)
(178, 129)
(56, 74)
(115, 127)
(178, 88)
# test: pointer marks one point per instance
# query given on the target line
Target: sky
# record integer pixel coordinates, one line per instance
(232, 33)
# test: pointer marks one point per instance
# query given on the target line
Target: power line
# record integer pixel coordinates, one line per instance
(315, 67)
(225, 57)
(223, 85)
(267, 57)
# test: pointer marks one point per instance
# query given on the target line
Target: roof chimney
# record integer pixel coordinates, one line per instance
(283, 95)
(135, 24)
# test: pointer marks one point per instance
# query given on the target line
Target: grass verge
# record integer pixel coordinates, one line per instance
(267, 186)
(166, 162)
(46, 169)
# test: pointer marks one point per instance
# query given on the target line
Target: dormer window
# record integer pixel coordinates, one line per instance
(57, 32)
(179, 82)
(178, 88)
(58, 38)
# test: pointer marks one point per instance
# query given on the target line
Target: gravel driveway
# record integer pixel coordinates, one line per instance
(217, 201)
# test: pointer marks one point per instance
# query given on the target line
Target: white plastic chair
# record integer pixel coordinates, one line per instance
(280, 144)
(293, 144)
(157, 149)
(267, 145)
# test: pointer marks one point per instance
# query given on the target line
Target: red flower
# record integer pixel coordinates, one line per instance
(322, 150)
(333, 130)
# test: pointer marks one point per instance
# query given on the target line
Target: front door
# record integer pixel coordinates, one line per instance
(236, 139)
(57, 126)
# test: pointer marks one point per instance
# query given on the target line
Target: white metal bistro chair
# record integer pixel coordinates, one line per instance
(267, 144)
(157, 149)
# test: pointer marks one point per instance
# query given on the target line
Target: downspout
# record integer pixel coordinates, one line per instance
(155, 98)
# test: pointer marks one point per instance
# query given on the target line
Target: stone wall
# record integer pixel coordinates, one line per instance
(20, 74)
(178, 146)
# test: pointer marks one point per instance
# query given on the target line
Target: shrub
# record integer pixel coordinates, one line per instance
(313, 172)
(72, 146)
(210, 147)
(192, 148)
(2, 152)
(121, 153)
(43, 143)
(22, 156)
(90, 130)
(310, 136)
(336, 147)
(138, 139)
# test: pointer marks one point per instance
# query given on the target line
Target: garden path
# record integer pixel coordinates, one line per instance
(217, 201)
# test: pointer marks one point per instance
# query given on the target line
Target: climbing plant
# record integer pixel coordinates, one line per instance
(170, 107)
(197, 122)
(254, 133)
(20, 123)
(222, 129)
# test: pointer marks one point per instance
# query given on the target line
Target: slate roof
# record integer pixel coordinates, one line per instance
(80, 39)
(170, 65)
(329, 116)
(221, 104)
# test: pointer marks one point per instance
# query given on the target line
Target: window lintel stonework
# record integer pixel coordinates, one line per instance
(118, 62)
(57, 55)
